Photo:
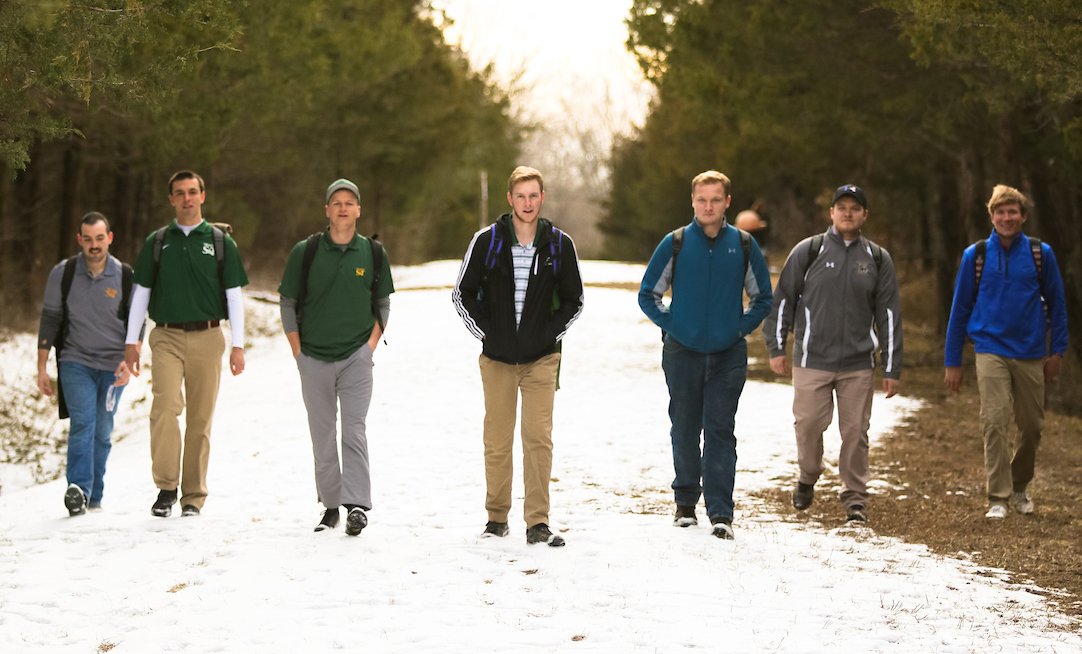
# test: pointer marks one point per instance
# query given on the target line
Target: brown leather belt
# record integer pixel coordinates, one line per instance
(197, 326)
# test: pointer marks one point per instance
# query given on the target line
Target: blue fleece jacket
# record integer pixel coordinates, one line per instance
(1007, 318)
(707, 310)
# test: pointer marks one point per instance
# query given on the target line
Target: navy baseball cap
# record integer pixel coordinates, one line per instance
(852, 191)
(342, 184)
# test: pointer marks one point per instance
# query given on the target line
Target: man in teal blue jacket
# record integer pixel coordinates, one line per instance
(1007, 309)
(705, 357)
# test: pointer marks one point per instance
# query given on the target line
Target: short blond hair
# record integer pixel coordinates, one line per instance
(525, 174)
(710, 177)
(1003, 194)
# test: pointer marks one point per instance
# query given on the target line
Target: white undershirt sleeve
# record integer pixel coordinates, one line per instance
(234, 300)
(140, 300)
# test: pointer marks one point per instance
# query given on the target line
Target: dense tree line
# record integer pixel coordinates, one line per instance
(925, 104)
(101, 100)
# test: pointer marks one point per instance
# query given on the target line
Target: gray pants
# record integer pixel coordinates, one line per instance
(323, 385)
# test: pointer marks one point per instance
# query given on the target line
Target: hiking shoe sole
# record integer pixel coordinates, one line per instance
(74, 501)
(724, 531)
(355, 521)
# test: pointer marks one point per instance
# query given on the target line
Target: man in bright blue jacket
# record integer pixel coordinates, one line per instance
(998, 304)
(705, 357)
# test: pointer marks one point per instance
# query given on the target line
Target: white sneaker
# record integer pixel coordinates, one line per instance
(1021, 503)
(998, 511)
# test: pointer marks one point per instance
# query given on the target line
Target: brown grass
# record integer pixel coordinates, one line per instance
(934, 463)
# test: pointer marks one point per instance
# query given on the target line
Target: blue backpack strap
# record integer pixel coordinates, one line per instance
(495, 246)
(556, 247)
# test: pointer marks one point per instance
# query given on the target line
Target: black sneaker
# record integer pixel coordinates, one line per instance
(75, 500)
(723, 528)
(163, 506)
(540, 533)
(856, 514)
(803, 496)
(685, 516)
(329, 520)
(188, 510)
(493, 528)
(356, 520)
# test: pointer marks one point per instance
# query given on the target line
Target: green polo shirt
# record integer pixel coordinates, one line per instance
(337, 311)
(187, 288)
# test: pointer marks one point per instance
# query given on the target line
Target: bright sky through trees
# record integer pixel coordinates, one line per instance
(570, 54)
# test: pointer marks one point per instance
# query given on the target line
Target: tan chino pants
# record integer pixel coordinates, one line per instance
(502, 382)
(186, 369)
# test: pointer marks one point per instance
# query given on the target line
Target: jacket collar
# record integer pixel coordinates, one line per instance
(544, 229)
(993, 241)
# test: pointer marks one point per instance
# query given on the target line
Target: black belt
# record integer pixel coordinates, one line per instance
(197, 326)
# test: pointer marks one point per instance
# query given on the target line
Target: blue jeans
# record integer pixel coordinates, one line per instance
(92, 400)
(704, 391)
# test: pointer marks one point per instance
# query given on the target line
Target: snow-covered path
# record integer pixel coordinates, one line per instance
(249, 575)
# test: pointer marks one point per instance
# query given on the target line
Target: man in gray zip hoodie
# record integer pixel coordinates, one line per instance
(842, 304)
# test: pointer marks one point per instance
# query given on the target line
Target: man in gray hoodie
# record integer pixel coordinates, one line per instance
(839, 295)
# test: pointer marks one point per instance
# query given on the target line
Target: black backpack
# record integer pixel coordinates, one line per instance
(65, 289)
(311, 245)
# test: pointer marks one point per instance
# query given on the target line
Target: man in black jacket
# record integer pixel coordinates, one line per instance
(518, 291)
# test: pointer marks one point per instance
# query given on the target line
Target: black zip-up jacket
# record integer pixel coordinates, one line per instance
(484, 294)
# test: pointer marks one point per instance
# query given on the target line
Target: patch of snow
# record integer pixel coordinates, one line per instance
(249, 574)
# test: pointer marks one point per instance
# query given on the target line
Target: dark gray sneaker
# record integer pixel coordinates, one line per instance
(540, 533)
(163, 506)
(493, 528)
(803, 496)
(356, 520)
(75, 500)
(685, 516)
(723, 528)
(189, 510)
(856, 514)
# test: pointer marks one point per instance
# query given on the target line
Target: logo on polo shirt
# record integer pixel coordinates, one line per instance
(111, 292)
(208, 248)
(360, 272)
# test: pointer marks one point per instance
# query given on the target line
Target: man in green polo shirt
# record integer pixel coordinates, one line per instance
(333, 342)
(184, 290)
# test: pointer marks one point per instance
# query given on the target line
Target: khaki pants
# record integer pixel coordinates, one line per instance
(1004, 382)
(502, 383)
(194, 360)
(813, 408)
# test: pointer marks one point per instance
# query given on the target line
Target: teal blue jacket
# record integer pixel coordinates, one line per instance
(707, 311)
